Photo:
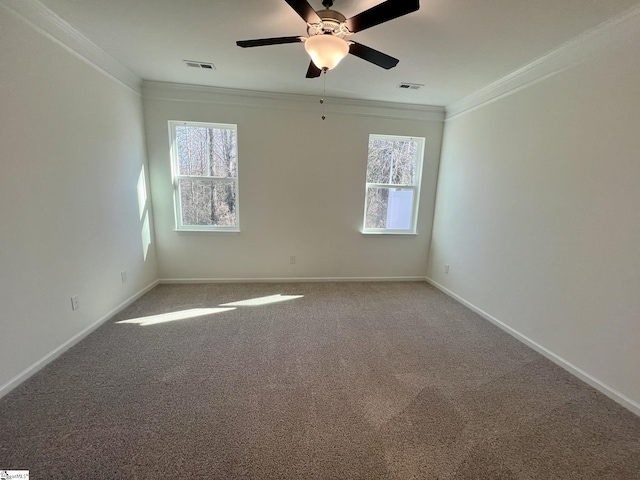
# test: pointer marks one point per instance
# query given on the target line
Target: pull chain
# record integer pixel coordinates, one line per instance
(324, 91)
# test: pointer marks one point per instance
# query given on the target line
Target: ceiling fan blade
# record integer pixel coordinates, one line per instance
(313, 71)
(382, 13)
(261, 42)
(371, 55)
(305, 10)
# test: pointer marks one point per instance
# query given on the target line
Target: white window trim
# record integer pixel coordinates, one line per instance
(175, 177)
(415, 188)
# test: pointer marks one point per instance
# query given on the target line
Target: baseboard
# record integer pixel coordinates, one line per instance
(51, 356)
(291, 280)
(558, 360)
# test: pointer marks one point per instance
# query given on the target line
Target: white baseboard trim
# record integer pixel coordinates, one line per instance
(51, 356)
(291, 280)
(602, 387)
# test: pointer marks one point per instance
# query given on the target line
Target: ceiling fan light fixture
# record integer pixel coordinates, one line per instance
(326, 51)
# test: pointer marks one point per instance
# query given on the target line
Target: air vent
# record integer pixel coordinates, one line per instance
(410, 86)
(204, 65)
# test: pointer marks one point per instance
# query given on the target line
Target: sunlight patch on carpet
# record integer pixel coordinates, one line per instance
(256, 302)
(175, 316)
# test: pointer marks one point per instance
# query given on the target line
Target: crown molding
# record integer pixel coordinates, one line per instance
(257, 99)
(608, 36)
(46, 22)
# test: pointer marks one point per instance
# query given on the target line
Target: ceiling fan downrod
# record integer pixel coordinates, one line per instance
(327, 4)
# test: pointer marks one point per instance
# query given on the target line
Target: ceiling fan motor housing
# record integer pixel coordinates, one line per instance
(333, 23)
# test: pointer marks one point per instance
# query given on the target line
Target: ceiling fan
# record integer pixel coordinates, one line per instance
(328, 28)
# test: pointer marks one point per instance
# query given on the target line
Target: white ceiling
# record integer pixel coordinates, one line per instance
(453, 47)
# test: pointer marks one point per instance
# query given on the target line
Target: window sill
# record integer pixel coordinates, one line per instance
(184, 230)
(390, 234)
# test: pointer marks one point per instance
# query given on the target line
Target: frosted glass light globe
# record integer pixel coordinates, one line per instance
(326, 51)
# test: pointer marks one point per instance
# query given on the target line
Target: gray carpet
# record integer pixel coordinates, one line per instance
(352, 380)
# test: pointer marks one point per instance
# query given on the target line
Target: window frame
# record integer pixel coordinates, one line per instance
(176, 177)
(415, 187)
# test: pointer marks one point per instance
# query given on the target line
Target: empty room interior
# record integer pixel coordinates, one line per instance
(311, 239)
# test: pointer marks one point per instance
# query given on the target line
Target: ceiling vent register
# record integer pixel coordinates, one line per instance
(410, 86)
(203, 65)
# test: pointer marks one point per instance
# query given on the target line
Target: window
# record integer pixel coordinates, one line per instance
(204, 161)
(394, 169)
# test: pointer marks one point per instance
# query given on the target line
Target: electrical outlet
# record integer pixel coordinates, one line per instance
(123, 276)
(292, 260)
(446, 268)
(75, 303)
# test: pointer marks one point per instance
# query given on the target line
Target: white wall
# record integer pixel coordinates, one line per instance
(71, 149)
(301, 185)
(538, 215)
